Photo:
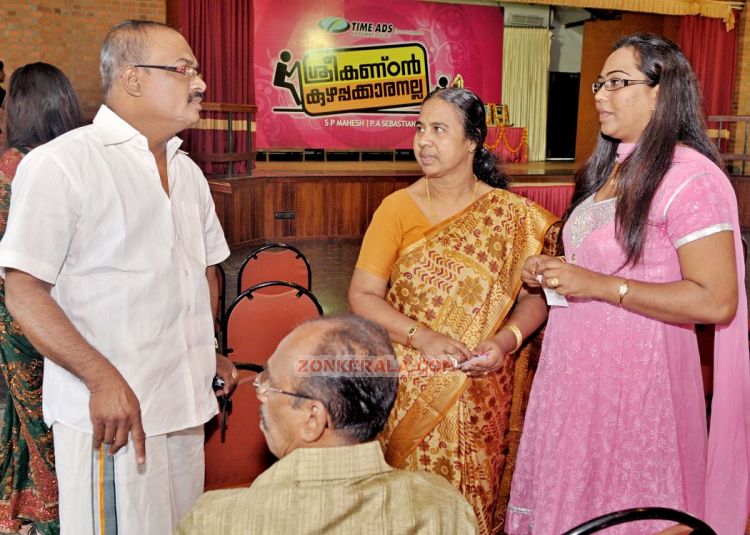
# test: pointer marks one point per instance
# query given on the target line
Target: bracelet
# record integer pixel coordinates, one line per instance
(512, 327)
(623, 290)
(412, 330)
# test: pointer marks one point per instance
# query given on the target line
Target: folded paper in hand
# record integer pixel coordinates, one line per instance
(554, 299)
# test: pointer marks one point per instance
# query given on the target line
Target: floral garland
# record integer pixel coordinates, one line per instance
(502, 137)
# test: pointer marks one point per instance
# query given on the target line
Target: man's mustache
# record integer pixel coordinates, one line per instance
(200, 95)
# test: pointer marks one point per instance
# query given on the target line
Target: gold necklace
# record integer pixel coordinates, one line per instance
(429, 200)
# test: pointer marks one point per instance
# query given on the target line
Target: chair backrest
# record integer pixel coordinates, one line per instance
(262, 315)
(221, 279)
(254, 324)
(274, 262)
(642, 513)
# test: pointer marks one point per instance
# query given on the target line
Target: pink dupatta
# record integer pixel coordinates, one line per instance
(728, 468)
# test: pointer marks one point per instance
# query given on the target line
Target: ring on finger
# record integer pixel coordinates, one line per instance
(554, 282)
(235, 375)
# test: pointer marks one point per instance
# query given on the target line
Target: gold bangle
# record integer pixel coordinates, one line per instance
(412, 330)
(512, 327)
(623, 289)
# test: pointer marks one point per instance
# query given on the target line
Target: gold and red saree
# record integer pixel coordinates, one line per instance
(462, 280)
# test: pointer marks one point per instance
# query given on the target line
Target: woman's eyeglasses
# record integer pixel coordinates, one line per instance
(613, 84)
(187, 71)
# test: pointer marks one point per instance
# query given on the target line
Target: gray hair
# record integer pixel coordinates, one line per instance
(358, 403)
(125, 45)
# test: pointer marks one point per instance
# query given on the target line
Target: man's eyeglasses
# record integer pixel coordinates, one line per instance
(614, 84)
(263, 387)
(187, 71)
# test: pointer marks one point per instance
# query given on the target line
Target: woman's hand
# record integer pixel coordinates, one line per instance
(569, 279)
(532, 267)
(433, 345)
(489, 356)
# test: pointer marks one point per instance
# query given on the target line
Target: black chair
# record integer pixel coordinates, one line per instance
(255, 322)
(221, 278)
(274, 262)
(262, 315)
(642, 513)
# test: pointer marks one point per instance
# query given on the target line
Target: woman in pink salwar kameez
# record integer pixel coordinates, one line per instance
(616, 417)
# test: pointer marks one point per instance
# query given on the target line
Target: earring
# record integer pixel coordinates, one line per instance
(652, 107)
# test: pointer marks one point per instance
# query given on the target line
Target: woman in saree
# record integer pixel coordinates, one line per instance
(440, 269)
(41, 105)
(617, 417)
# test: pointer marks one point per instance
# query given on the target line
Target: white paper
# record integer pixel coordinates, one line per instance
(554, 299)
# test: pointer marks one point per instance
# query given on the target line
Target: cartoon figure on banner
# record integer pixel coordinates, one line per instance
(281, 75)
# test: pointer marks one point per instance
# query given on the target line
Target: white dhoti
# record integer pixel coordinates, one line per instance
(113, 494)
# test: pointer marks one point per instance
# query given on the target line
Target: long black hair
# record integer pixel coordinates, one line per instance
(471, 109)
(41, 105)
(677, 117)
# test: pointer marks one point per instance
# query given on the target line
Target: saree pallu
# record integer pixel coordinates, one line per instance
(28, 487)
(462, 280)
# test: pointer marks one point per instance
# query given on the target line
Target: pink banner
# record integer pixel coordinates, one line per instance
(352, 73)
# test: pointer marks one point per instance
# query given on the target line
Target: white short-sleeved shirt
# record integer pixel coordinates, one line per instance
(88, 214)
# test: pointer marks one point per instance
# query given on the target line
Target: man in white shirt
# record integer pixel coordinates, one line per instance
(109, 259)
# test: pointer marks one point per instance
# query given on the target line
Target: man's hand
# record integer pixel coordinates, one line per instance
(115, 413)
(114, 409)
(226, 370)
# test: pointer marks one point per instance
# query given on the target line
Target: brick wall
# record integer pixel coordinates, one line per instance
(67, 34)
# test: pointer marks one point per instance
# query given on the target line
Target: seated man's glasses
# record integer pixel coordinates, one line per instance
(263, 387)
(187, 71)
(614, 84)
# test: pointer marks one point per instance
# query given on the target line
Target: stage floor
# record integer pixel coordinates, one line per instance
(545, 172)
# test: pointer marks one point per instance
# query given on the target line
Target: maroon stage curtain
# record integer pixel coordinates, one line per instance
(221, 35)
(712, 51)
(555, 198)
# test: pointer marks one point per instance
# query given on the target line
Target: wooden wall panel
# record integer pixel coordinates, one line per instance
(279, 196)
(742, 188)
(240, 209)
(323, 207)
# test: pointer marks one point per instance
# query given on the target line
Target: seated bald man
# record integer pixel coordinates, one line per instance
(331, 476)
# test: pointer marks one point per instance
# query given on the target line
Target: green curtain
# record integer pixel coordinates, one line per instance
(526, 55)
